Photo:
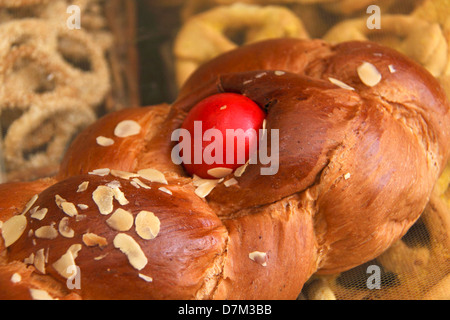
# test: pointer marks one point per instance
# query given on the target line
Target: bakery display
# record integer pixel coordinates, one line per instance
(356, 121)
(47, 72)
(341, 197)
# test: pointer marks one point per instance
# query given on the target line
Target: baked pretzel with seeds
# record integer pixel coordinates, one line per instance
(363, 140)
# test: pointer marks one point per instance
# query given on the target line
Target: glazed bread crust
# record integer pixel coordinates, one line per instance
(357, 164)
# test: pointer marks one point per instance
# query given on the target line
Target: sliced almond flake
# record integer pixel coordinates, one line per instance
(64, 228)
(135, 184)
(147, 225)
(247, 82)
(39, 261)
(59, 200)
(127, 128)
(80, 217)
(219, 172)
(104, 141)
(392, 69)
(46, 232)
(279, 73)
(260, 75)
(369, 74)
(103, 256)
(67, 260)
(16, 278)
(199, 182)
(92, 240)
(83, 206)
(146, 278)
(29, 260)
(103, 197)
(123, 174)
(120, 197)
(100, 172)
(230, 182)
(114, 184)
(132, 250)
(205, 189)
(165, 190)
(30, 204)
(240, 171)
(39, 214)
(340, 84)
(37, 294)
(153, 175)
(139, 184)
(347, 176)
(69, 209)
(120, 220)
(259, 257)
(30, 233)
(13, 229)
(83, 186)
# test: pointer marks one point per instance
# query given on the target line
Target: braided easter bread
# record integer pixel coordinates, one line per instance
(363, 137)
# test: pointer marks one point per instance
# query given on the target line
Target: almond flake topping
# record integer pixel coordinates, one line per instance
(30, 204)
(37, 294)
(64, 266)
(104, 142)
(100, 172)
(39, 214)
(29, 260)
(204, 189)
(230, 182)
(120, 220)
(153, 175)
(392, 69)
(146, 278)
(13, 229)
(132, 250)
(83, 206)
(39, 261)
(240, 171)
(83, 187)
(369, 74)
(123, 174)
(46, 232)
(279, 73)
(340, 84)
(103, 197)
(147, 225)
(127, 128)
(138, 184)
(220, 172)
(64, 228)
(16, 278)
(59, 200)
(347, 176)
(259, 257)
(92, 240)
(165, 190)
(69, 209)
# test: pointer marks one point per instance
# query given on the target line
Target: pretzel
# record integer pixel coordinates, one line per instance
(50, 123)
(20, 3)
(403, 33)
(124, 210)
(205, 35)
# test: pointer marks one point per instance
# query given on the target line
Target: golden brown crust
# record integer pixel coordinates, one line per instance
(357, 166)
